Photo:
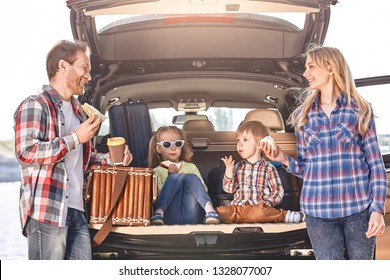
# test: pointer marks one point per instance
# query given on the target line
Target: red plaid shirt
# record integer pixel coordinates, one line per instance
(40, 148)
(254, 183)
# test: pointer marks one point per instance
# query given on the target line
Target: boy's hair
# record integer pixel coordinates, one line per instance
(257, 129)
(154, 158)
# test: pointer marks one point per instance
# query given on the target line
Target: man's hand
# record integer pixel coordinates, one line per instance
(128, 158)
(87, 129)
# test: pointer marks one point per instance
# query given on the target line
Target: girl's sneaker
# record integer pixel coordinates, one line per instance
(211, 218)
(157, 220)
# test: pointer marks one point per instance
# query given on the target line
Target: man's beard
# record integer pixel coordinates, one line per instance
(76, 85)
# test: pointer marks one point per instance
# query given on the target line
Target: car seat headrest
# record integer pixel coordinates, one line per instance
(198, 125)
(271, 118)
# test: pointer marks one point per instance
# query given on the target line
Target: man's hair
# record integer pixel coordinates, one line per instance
(65, 50)
(257, 129)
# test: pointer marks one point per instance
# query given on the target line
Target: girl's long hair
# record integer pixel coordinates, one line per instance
(154, 158)
(328, 57)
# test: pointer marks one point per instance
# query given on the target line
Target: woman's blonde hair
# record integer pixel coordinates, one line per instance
(154, 158)
(332, 58)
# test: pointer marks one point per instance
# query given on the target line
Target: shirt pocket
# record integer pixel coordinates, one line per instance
(347, 134)
(312, 138)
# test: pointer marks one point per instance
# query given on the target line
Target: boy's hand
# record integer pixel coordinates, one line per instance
(229, 163)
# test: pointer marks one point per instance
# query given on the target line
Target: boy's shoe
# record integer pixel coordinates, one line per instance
(157, 220)
(295, 217)
(211, 218)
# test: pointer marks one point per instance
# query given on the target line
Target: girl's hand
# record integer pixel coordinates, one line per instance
(376, 225)
(229, 164)
(172, 169)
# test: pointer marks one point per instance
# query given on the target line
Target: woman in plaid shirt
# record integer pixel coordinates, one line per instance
(344, 177)
(54, 149)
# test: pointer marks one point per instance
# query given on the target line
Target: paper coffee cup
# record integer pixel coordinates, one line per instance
(116, 146)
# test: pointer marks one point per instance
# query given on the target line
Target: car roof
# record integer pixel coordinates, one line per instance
(165, 53)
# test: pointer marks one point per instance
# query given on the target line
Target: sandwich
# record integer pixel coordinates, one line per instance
(167, 163)
(90, 111)
(270, 141)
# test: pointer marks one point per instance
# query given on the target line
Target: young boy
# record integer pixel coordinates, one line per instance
(255, 183)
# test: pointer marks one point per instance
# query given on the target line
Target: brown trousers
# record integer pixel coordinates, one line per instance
(260, 213)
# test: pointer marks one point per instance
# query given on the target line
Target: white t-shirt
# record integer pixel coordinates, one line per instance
(73, 160)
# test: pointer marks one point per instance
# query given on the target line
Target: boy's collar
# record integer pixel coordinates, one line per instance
(259, 160)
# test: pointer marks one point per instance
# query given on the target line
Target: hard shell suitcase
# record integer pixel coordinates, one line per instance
(132, 121)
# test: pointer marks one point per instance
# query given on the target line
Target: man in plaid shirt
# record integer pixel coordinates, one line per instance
(54, 149)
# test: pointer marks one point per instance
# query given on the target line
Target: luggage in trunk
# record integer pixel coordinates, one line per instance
(131, 120)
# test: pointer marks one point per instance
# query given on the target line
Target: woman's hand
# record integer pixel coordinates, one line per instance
(376, 225)
(274, 154)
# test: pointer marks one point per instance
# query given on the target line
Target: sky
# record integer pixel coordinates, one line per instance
(359, 28)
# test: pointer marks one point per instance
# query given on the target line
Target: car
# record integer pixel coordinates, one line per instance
(204, 66)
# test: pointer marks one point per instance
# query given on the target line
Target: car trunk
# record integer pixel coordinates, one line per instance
(249, 241)
(163, 52)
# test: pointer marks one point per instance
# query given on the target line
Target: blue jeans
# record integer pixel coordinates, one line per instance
(47, 242)
(183, 198)
(341, 238)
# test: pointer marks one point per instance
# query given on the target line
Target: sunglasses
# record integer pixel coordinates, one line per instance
(167, 144)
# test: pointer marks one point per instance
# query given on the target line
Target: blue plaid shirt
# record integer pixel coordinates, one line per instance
(343, 172)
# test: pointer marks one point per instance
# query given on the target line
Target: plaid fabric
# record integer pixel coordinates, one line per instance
(254, 183)
(40, 148)
(343, 172)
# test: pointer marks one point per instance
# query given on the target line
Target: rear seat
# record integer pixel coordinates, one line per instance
(210, 146)
(198, 125)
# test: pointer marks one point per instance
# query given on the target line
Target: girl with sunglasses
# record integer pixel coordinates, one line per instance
(182, 193)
